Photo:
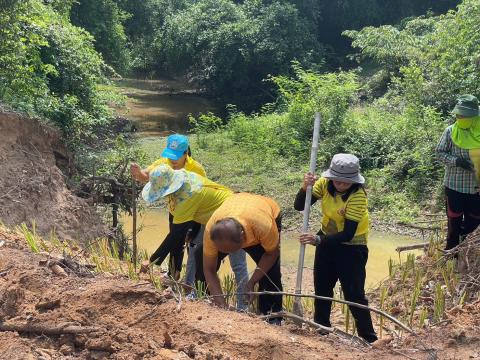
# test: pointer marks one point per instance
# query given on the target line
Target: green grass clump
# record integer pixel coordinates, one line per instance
(30, 236)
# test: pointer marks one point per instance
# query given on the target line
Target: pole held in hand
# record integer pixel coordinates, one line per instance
(134, 221)
(297, 305)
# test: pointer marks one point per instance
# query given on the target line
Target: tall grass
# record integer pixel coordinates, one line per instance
(383, 297)
(229, 286)
(439, 302)
(415, 294)
(30, 236)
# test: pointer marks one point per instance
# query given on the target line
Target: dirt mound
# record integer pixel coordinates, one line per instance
(44, 315)
(32, 187)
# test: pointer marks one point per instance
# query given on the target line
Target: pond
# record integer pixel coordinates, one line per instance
(154, 227)
(160, 107)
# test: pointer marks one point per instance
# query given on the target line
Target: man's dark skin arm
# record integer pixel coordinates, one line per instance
(266, 262)
(213, 282)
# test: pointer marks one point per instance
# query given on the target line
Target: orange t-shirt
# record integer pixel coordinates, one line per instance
(255, 213)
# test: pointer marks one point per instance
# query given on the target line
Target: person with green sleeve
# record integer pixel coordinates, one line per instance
(459, 150)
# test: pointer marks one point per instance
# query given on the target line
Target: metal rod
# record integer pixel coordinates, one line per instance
(297, 305)
(134, 222)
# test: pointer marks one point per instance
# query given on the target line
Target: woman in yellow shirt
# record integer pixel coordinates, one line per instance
(177, 155)
(191, 198)
(341, 244)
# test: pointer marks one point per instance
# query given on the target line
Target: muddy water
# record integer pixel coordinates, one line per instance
(154, 228)
(160, 107)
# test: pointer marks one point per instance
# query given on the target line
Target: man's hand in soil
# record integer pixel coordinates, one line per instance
(213, 282)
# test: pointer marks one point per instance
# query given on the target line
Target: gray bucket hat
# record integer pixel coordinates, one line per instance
(346, 168)
(467, 105)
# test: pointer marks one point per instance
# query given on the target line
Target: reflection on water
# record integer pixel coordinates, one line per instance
(160, 107)
(154, 228)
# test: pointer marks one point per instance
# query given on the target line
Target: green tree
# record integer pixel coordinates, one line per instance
(231, 49)
(143, 25)
(104, 20)
(49, 68)
(339, 15)
(442, 52)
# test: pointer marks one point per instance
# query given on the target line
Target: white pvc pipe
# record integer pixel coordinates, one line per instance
(306, 211)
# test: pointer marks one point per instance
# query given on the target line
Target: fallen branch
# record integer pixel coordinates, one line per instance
(412, 247)
(418, 227)
(330, 330)
(361, 306)
(402, 354)
(48, 330)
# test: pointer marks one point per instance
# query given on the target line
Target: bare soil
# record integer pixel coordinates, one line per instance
(132, 320)
(32, 186)
(116, 306)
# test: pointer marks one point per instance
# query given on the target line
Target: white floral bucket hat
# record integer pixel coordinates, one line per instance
(166, 181)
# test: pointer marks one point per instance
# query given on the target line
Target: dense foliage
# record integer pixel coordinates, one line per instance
(55, 56)
(430, 61)
(103, 19)
(434, 59)
(49, 67)
(229, 47)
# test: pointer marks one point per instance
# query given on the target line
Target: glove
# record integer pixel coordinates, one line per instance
(464, 164)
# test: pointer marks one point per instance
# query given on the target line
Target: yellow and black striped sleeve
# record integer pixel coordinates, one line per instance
(320, 188)
(356, 207)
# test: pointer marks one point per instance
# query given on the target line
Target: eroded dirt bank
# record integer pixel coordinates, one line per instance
(32, 186)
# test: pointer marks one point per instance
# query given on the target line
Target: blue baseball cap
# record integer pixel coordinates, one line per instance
(177, 145)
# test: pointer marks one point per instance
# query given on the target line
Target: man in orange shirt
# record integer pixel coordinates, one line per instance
(252, 223)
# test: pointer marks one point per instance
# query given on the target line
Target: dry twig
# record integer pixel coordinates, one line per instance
(322, 328)
(361, 306)
(48, 330)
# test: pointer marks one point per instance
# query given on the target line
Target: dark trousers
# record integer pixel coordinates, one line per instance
(174, 244)
(463, 214)
(347, 264)
(272, 281)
